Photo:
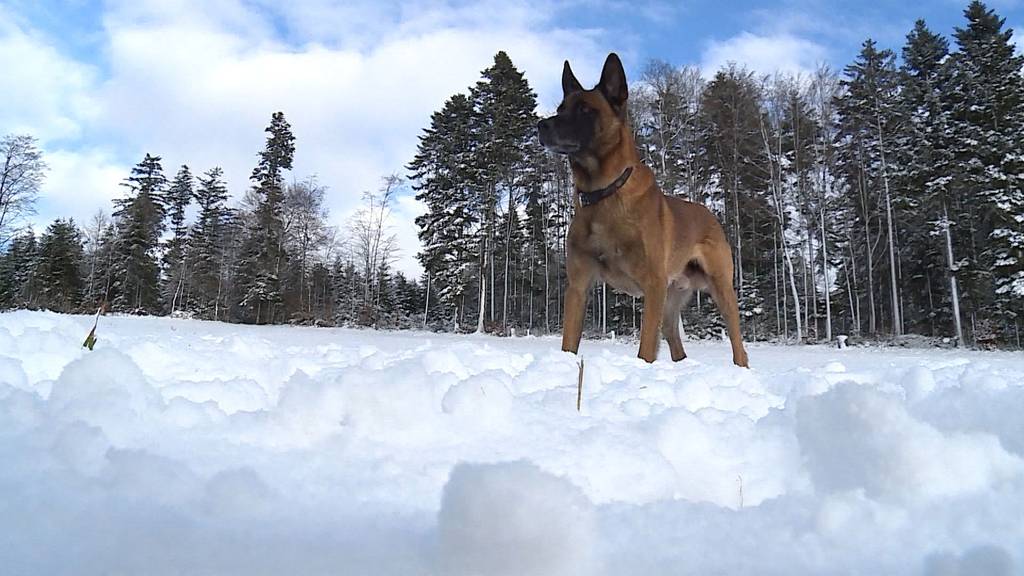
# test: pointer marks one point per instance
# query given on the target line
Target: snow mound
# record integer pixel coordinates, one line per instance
(514, 519)
(854, 437)
(186, 447)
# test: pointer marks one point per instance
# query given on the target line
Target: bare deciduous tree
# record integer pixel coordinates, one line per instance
(374, 244)
(305, 229)
(21, 174)
(94, 231)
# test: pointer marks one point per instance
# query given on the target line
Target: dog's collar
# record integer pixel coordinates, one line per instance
(595, 196)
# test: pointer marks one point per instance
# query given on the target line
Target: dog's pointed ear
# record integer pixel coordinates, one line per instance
(613, 81)
(569, 82)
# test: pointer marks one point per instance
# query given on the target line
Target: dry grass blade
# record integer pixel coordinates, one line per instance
(90, 340)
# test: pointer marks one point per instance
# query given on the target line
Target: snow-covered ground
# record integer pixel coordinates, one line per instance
(186, 447)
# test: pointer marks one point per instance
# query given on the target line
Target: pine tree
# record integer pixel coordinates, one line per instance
(510, 243)
(536, 254)
(444, 179)
(140, 222)
(409, 296)
(206, 246)
(348, 285)
(925, 160)
(17, 271)
(505, 125)
(384, 308)
(869, 114)
(231, 245)
(987, 127)
(58, 274)
(263, 258)
(178, 197)
(742, 146)
(322, 297)
(560, 196)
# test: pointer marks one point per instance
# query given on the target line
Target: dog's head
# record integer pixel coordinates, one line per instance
(588, 121)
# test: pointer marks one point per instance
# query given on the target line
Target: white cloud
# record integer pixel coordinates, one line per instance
(197, 85)
(764, 53)
(53, 98)
(404, 217)
(78, 184)
(43, 93)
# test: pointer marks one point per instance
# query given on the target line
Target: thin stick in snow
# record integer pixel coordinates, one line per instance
(579, 387)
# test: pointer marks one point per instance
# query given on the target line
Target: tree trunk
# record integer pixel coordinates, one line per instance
(777, 196)
(853, 266)
(483, 301)
(807, 296)
(849, 292)
(604, 309)
(508, 253)
(872, 323)
(952, 278)
(828, 286)
(490, 248)
(544, 245)
(897, 323)
(426, 307)
(775, 265)
(736, 205)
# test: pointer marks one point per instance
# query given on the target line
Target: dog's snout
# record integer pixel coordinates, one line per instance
(544, 130)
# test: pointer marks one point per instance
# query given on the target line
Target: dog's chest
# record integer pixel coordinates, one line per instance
(608, 243)
(617, 250)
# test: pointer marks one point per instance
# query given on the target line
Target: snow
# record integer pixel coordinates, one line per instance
(186, 447)
(490, 514)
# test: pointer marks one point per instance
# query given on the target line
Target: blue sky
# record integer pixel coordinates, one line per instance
(100, 83)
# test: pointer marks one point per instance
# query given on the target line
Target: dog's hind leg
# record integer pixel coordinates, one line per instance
(722, 291)
(675, 301)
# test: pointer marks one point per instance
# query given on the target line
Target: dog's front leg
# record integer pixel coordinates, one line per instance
(654, 305)
(572, 325)
(580, 275)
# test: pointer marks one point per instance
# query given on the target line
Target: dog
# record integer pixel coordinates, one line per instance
(625, 231)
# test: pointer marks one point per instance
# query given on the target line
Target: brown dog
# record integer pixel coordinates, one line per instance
(625, 230)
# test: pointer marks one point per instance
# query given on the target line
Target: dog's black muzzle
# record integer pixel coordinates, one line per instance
(545, 131)
(550, 138)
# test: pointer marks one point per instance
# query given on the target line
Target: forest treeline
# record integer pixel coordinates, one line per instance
(883, 199)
